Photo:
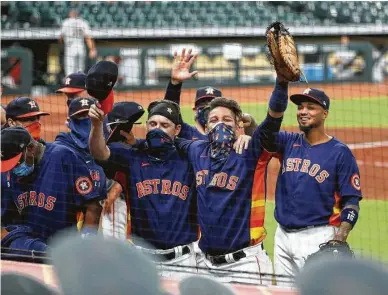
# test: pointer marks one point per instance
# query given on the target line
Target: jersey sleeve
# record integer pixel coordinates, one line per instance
(173, 92)
(64, 27)
(348, 175)
(265, 135)
(87, 32)
(83, 187)
(188, 147)
(121, 156)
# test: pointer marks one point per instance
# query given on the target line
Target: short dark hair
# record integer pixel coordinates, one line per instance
(227, 103)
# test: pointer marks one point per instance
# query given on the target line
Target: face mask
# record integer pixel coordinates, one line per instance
(158, 140)
(202, 115)
(80, 130)
(23, 170)
(34, 130)
(221, 137)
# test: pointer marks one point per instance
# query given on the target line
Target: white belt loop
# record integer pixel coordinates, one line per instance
(178, 251)
(229, 258)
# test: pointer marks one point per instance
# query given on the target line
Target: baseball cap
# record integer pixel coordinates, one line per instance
(13, 141)
(122, 117)
(74, 83)
(80, 105)
(23, 107)
(313, 95)
(100, 80)
(17, 283)
(206, 93)
(121, 269)
(202, 285)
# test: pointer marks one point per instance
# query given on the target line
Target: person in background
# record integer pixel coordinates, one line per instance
(74, 32)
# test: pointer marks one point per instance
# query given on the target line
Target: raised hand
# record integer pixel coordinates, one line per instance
(96, 114)
(180, 70)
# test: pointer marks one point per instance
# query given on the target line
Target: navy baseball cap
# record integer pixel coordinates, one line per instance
(100, 80)
(13, 141)
(206, 93)
(80, 105)
(74, 83)
(122, 117)
(23, 107)
(312, 95)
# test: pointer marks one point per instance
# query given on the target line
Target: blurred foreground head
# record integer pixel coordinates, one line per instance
(197, 285)
(343, 277)
(16, 283)
(101, 266)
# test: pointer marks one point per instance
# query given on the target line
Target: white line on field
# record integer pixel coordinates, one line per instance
(368, 145)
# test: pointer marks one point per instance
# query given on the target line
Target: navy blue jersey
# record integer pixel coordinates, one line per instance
(313, 181)
(54, 195)
(231, 195)
(9, 212)
(162, 196)
(191, 133)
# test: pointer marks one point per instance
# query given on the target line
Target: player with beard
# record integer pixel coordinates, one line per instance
(318, 188)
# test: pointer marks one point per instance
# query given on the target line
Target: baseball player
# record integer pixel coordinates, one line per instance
(161, 189)
(25, 112)
(74, 31)
(231, 191)
(65, 184)
(180, 72)
(17, 239)
(318, 188)
(74, 86)
(115, 214)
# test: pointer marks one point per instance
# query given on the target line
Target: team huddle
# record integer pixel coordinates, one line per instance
(195, 194)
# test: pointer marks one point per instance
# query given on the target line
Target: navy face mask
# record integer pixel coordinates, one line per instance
(80, 130)
(222, 138)
(202, 115)
(159, 141)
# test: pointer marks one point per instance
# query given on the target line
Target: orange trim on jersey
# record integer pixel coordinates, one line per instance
(80, 217)
(257, 230)
(335, 218)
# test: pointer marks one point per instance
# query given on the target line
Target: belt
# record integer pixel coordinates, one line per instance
(294, 230)
(173, 254)
(228, 258)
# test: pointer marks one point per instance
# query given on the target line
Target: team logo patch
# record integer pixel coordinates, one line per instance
(83, 185)
(355, 181)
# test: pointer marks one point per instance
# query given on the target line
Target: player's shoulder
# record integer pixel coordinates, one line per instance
(340, 147)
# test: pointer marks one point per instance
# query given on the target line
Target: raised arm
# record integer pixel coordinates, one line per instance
(98, 148)
(180, 72)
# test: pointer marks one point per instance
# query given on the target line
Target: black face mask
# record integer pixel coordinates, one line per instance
(159, 143)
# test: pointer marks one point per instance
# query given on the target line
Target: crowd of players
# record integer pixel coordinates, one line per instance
(193, 197)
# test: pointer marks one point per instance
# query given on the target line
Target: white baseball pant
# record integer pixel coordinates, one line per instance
(74, 59)
(182, 266)
(293, 247)
(115, 224)
(255, 268)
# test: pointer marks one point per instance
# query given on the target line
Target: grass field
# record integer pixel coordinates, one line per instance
(368, 239)
(357, 112)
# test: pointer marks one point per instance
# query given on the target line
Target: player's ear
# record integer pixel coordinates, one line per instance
(325, 114)
(11, 122)
(67, 122)
(178, 129)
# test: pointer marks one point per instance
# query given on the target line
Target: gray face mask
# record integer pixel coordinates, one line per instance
(23, 170)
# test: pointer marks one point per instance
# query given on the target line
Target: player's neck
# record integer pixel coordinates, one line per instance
(317, 136)
(200, 128)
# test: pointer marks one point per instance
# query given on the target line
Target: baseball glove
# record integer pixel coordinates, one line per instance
(282, 52)
(332, 249)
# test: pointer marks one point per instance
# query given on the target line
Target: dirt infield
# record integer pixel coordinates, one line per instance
(373, 161)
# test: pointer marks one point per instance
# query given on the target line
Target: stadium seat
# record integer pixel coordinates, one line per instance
(186, 13)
